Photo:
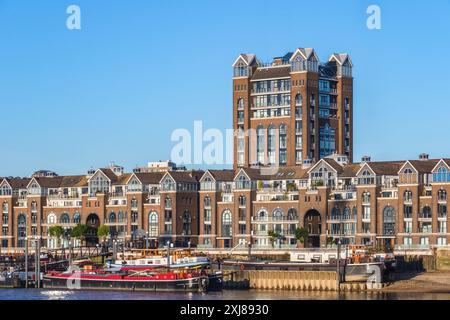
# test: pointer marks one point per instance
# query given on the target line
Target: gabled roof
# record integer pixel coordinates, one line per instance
(109, 173)
(247, 58)
(341, 58)
(446, 162)
(305, 53)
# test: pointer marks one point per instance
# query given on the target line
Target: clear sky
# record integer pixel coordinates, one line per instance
(116, 89)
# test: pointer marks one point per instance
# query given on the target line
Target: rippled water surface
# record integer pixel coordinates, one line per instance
(46, 294)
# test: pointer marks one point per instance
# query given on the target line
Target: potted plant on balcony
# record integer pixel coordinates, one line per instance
(302, 235)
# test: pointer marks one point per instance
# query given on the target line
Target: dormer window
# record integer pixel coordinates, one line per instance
(366, 178)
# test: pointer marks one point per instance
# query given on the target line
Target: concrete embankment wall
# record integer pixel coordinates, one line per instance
(443, 259)
(296, 280)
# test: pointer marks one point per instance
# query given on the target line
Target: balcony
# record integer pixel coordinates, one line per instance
(227, 198)
(267, 219)
(63, 196)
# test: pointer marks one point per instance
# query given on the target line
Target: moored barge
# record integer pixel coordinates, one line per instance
(184, 281)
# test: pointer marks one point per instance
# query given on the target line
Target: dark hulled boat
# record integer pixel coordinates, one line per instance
(184, 281)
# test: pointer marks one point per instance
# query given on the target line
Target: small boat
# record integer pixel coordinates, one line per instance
(147, 280)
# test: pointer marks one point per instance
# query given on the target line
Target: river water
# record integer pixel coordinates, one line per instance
(47, 294)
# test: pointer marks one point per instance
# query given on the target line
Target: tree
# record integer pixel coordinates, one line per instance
(56, 232)
(80, 232)
(273, 236)
(330, 241)
(103, 232)
(302, 235)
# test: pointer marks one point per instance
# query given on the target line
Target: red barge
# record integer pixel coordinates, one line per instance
(128, 280)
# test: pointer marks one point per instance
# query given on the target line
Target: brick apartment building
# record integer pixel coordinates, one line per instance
(301, 113)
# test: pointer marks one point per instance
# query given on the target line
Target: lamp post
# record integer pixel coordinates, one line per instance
(250, 245)
(168, 255)
(338, 271)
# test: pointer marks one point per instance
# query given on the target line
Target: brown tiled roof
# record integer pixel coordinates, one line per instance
(336, 166)
(350, 170)
(223, 175)
(293, 172)
(186, 176)
(123, 179)
(47, 182)
(18, 183)
(110, 174)
(424, 166)
(386, 167)
(273, 72)
(73, 181)
(150, 177)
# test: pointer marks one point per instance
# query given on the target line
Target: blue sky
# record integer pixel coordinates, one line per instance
(116, 89)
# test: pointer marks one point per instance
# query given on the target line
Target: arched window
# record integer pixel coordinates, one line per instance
(292, 214)
(389, 221)
(207, 202)
(134, 216)
(277, 214)
(5, 207)
(65, 218)
(153, 225)
(262, 215)
(51, 218)
(335, 214)
(226, 223)
(298, 100)
(407, 196)
(347, 213)
(426, 212)
(260, 143)
(112, 217)
(242, 201)
(187, 220)
(283, 144)
(366, 197)
(240, 104)
(168, 202)
(76, 218)
(120, 217)
(442, 195)
(134, 203)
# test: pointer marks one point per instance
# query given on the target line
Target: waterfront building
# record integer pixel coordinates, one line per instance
(301, 112)
(293, 110)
